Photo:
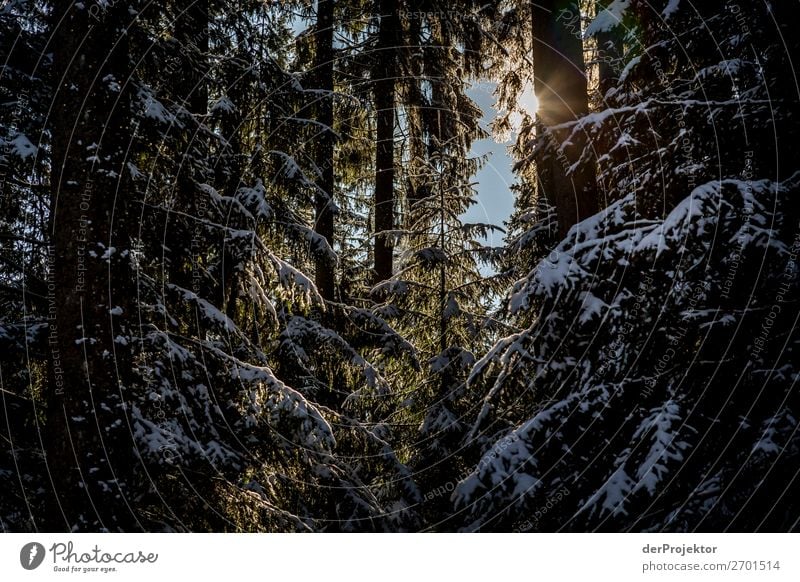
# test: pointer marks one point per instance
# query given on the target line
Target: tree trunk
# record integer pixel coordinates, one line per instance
(189, 87)
(560, 85)
(609, 51)
(89, 448)
(384, 75)
(325, 277)
(191, 30)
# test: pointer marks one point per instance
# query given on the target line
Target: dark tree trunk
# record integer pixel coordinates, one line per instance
(415, 119)
(384, 76)
(609, 51)
(191, 31)
(189, 87)
(89, 448)
(325, 277)
(560, 85)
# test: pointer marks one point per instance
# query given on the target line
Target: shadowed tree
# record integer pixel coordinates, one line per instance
(325, 276)
(384, 77)
(89, 450)
(561, 87)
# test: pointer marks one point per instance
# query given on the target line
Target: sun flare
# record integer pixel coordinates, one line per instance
(528, 101)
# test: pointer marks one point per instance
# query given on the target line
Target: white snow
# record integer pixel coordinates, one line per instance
(255, 198)
(625, 141)
(665, 445)
(608, 18)
(591, 306)
(670, 9)
(686, 217)
(223, 104)
(154, 109)
(612, 494)
(209, 311)
(22, 147)
(628, 68)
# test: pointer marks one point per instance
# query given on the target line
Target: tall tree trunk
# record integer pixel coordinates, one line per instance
(415, 122)
(325, 277)
(189, 87)
(609, 51)
(89, 448)
(384, 76)
(560, 85)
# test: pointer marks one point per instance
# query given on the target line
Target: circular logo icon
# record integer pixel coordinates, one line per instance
(31, 555)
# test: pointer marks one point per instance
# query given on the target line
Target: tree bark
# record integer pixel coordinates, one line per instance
(561, 87)
(89, 446)
(609, 51)
(325, 277)
(191, 30)
(384, 77)
(189, 87)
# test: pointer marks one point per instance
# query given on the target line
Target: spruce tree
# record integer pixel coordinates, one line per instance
(636, 392)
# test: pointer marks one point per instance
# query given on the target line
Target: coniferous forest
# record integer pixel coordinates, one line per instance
(240, 289)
